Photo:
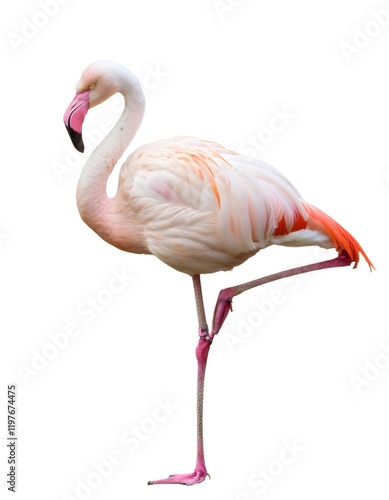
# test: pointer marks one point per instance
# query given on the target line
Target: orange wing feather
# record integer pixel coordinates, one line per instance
(342, 239)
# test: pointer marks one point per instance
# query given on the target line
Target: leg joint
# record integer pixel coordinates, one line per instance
(204, 334)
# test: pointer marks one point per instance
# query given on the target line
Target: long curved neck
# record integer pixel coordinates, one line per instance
(94, 205)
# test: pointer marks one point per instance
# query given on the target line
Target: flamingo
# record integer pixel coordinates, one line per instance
(196, 206)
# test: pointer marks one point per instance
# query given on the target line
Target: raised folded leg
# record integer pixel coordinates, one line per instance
(224, 301)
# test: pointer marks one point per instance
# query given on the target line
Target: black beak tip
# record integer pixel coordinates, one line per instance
(76, 138)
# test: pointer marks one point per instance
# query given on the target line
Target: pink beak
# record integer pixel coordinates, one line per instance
(74, 118)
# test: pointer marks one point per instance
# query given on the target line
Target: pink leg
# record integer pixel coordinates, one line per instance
(222, 308)
(224, 301)
(200, 471)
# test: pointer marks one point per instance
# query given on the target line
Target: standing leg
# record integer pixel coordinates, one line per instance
(200, 472)
(224, 301)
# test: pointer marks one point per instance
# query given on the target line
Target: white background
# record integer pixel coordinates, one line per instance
(221, 73)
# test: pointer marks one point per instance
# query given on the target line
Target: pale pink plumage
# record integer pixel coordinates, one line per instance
(203, 208)
(195, 205)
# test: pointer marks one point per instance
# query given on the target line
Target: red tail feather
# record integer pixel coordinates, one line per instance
(342, 239)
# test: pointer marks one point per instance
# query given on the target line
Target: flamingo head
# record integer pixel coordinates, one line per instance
(99, 81)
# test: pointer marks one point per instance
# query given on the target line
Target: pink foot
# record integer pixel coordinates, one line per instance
(195, 477)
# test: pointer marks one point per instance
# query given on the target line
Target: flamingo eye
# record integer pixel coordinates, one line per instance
(91, 86)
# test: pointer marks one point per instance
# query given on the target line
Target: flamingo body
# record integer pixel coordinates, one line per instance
(202, 208)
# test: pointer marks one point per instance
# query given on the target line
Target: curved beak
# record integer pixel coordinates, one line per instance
(74, 118)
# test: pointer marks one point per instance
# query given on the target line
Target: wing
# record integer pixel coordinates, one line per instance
(204, 208)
